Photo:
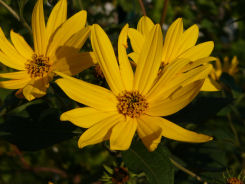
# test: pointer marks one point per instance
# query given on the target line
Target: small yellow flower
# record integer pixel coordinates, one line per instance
(136, 99)
(227, 67)
(177, 44)
(230, 67)
(56, 48)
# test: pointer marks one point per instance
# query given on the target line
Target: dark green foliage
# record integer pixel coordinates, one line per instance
(47, 148)
(156, 165)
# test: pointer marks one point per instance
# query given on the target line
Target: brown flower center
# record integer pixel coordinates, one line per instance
(132, 104)
(234, 180)
(120, 175)
(98, 71)
(38, 66)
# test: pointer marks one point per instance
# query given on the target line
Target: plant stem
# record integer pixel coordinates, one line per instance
(180, 167)
(233, 129)
(21, 19)
(142, 7)
(164, 11)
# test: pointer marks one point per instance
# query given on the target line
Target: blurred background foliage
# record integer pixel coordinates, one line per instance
(35, 147)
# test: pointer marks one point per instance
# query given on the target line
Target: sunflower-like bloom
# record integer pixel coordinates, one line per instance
(56, 48)
(177, 44)
(136, 100)
(228, 67)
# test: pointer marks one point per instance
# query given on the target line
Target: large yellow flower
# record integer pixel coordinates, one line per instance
(56, 48)
(177, 44)
(136, 99)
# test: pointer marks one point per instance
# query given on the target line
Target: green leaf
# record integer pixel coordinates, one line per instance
(200, 110)
(22, 4)
(231, 83)
(42, 128)
(156, 165)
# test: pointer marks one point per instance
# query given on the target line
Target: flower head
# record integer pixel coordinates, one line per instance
(178, 44)
(136, 100)
(219, 68)
(56, 48)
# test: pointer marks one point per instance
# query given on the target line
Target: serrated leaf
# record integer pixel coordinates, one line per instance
(155, 165)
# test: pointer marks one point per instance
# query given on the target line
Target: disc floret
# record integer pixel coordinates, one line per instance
(132, 104)
(38, 66)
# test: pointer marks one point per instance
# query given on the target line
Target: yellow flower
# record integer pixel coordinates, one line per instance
(177, 44)
(56, 48)
(136, 100)
(228, 67)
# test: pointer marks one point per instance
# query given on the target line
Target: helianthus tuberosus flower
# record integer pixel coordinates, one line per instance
(178, 44)
(136, 100)
(56, 48)
(227, 67)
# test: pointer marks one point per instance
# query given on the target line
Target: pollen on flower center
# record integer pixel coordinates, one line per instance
(234, 180)
(38, 66)
(132, 104)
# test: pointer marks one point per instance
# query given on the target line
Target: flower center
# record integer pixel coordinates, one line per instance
(132, 104)
(234, 181)
(38, 66)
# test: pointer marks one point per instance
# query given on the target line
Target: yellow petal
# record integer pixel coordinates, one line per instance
(199, 51)
(149, 132)
(122, 134)
(125, 67)
(169, 73)
(233, 67)
(196, 63)
(21, 46)
(218, 68)
(36, 88)
(15, 75)
(78, 39)
(88, 94)
(204, 71)
(57, 17)
(106, 57)
(177, 101)
(188, 39)
(209, 85)
(72, 62)
(85, 117)
(163, 91)
(226, 64)
(66, 30)
(134, 56)
(101, 131)
(14, 84)
(38, 29)
(136, 39)
(145, 25)
(175, 132)
(172, 41)
(149, 61)
(9, 56)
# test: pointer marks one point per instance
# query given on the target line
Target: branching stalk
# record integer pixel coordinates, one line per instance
(142, 7)
(21, 19)
(192, 174)
(164, 12)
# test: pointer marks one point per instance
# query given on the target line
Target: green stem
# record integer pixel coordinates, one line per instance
(192, 174)
(233, 129)
(21, 19)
